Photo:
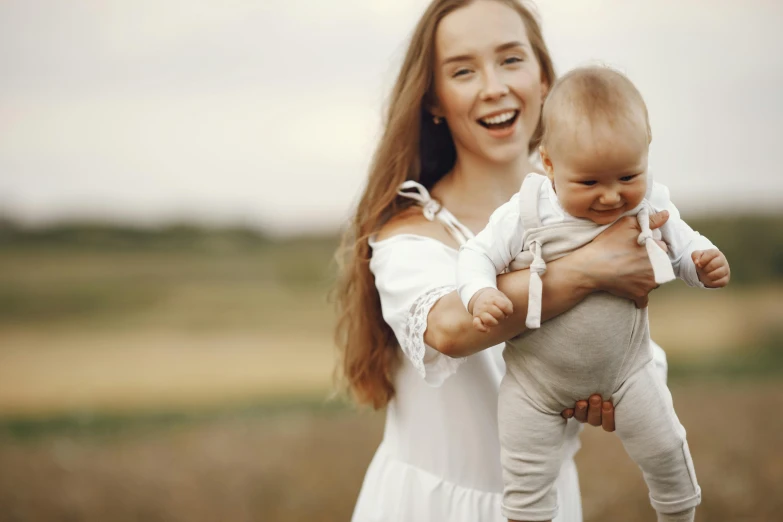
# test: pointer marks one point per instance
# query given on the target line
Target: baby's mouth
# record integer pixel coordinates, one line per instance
(503, 120)
(608, 210)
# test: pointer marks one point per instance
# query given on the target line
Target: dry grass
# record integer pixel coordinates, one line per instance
(693, 324)
(104, 372)
(307, 464)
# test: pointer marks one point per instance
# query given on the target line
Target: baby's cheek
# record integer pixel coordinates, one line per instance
(636, 196)
(577, 207)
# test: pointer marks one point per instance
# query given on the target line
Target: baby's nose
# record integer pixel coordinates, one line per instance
(610, 197)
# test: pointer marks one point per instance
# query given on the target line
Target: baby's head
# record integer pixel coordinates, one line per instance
(595, 143)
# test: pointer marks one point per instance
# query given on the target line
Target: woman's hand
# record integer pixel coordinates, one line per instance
(616, 263)
(595, 411)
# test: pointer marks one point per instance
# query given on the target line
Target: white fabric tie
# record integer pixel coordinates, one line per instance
(432, 210)
(430, 207)
(661, 264)
(536, 287)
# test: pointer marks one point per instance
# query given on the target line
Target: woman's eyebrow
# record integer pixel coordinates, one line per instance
(509, 45)
(498, 49)
(460, 58)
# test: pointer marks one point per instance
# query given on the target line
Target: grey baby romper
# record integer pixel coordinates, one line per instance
(599, 346)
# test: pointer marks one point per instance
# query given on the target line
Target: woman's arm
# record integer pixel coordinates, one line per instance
(613, 262)
(450, 327)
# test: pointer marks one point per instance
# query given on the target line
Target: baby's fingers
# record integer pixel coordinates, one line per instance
(496, 312)
(718, 278)
(720, 272)
(720, 283)
(478, 325)
(488, 319)
(713, 264)
(708, 256)
(506, 306)
(696, 257)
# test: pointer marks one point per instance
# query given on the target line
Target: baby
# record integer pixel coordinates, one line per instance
(594, 151)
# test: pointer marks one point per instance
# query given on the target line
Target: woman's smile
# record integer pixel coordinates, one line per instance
(500, 124)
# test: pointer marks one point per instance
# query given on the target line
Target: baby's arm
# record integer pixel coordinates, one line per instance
(482, 258)
(694, 258)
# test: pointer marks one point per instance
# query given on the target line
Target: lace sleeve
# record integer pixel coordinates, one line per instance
(411, 274)
(433, 366)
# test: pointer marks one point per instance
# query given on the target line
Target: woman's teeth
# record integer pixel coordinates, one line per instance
(499, 119)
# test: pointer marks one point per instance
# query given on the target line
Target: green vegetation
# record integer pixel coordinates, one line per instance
(101, 273)
(753, 245)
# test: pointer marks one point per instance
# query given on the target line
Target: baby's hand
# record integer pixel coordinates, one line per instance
(712, 267)
(490, 306)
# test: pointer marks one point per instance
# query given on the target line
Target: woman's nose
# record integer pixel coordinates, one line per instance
(493, 87)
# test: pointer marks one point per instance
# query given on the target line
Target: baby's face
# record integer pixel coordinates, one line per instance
(601, 179)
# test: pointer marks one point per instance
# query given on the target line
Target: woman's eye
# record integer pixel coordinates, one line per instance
(589, 183)
(512, 59)
(460, 72)
(628, 178)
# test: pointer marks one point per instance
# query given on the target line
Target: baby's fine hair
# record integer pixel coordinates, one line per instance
(592, 95)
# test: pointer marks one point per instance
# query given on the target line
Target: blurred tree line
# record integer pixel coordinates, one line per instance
(752, 243)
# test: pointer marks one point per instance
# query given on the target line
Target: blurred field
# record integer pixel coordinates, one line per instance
(307, 463)
(108, 329)
(184, 375)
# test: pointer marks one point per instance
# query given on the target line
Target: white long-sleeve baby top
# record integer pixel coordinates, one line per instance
(491, 251)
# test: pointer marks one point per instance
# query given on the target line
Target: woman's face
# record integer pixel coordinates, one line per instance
(488, 82)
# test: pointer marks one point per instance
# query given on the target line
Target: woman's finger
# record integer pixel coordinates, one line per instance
(580, 412)
(641, 302)
(594, 411)
(658, 219)
(567, 413)
(607, 416)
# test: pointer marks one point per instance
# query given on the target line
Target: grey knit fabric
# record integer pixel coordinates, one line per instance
(600, 346)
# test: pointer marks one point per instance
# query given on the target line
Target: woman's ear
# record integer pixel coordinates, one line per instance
(434, 109)
(432, 105)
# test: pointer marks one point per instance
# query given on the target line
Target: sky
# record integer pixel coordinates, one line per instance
(265, 113)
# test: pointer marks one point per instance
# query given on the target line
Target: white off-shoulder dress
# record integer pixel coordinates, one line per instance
(439, 459)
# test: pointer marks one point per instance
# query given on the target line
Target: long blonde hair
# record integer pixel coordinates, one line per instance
(412, 148)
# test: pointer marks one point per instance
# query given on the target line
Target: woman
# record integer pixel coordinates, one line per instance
(463, 119)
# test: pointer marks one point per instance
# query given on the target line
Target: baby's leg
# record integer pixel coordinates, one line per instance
(655, 440)
(531, 442)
